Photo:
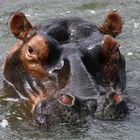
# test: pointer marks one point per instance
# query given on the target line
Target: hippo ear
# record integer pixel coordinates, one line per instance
(19, 25)
(112, 24)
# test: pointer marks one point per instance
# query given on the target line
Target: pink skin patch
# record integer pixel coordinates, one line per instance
(67, 100)
(117, 98)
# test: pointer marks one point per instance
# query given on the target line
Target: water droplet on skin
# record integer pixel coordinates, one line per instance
(10, 100)
(91, 47)
(19, 118)
(102, 42)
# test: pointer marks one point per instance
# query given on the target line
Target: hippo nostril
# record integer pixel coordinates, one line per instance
(67, 100)
(114, 97)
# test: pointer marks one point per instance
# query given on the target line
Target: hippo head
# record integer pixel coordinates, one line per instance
(55, 78)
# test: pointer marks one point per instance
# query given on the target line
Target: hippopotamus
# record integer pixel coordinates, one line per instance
(68, 68)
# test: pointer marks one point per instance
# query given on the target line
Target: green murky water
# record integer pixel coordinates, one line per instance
(15, 112)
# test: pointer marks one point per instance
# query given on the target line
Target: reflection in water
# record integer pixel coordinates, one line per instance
(17, 113)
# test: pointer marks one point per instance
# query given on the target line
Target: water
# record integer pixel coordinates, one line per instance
(19, 123)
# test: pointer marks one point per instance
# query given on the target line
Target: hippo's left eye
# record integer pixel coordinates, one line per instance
(30, 50)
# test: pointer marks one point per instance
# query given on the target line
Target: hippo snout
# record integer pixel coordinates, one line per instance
(70, 109)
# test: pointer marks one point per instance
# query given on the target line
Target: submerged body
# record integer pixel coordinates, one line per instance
(57, 66)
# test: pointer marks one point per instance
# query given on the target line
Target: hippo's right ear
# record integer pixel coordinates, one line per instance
(19, 25)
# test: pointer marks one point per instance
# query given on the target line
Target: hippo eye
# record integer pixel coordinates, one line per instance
(30, 50)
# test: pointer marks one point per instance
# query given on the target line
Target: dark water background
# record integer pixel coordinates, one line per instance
(16, 114)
